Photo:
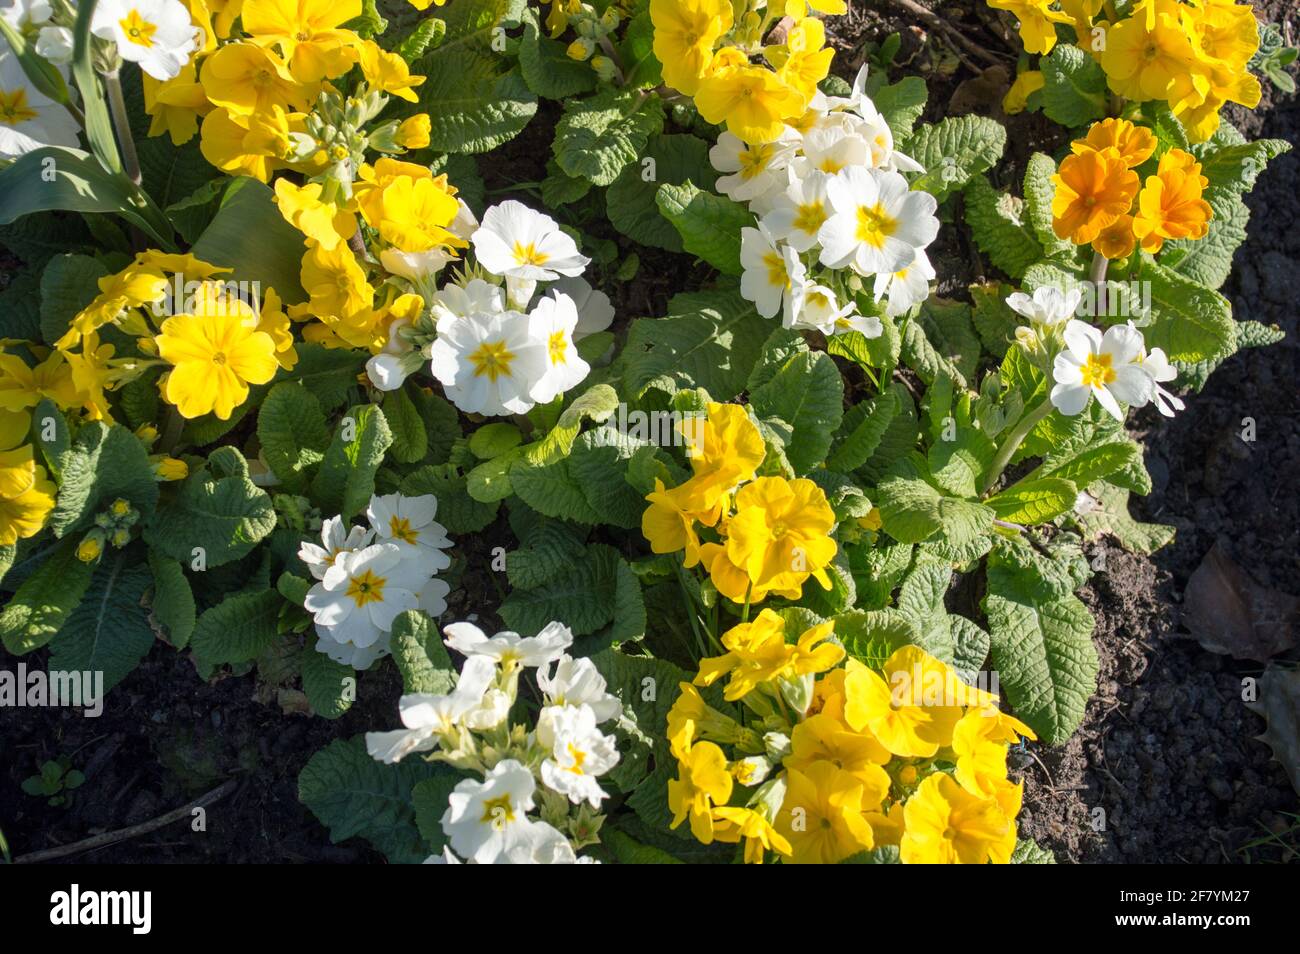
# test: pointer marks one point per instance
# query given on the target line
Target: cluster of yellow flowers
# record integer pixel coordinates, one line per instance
(821, 769)
(1191, 55)
(1097, 187)
(770, 533)
(705, 47)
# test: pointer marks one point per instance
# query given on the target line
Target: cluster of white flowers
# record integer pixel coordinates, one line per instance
(558, 762)
(368, 575)
(833, 209)
(497, 350)
(1113, 366)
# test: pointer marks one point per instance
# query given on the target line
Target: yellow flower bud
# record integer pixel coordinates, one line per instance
(414, 132)
(169, 468)
(89, 549)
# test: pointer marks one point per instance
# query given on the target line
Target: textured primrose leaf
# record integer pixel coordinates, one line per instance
(547, 68)
(171, 607)
(1113, 518)
(293, 432)
(324, 682)
(346, 478)
(997, 224)
(1039, 192)
(1074, 90)
(226, 516)
(68, 284)
(238, 629)
(631, 200)
(1035, 501)
(808, 394)
(1191, 322)
(109, 630)
(709, 224)
(597, 137)
(584, 599)
(911, 510)
(45, 600)
(955, 149)
(420, 654)
(104, 464)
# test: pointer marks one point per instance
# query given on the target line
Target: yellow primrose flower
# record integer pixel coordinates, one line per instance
(335, 281)
(388, 72)
(1027, 83)
(91, 548)
(181, 263)
(824, 738)
(226, 142)
(752, 100)
(669, 523)
(1170, 205)
(272, 320)
(945, 824)
(808, 61)
(691, 719)
(822, 815)
(981, 758)
(702, 781)
(685, 32)
(1093, 189)
(732, 823)
(168, 468)
(374, 180)
(92, 375)
(1116, 241)
(780, 533)
(758, 653)
(14, 427)
(246, 78)
(1037, 22)
(22, 387)
(175, 105)
(133, 287)
(1135, 144)
(1141, 60)
(215, 354)
(322, 222)
(416, 213)
(26, 495)
(413, 133)
(308, 33)
(724, 448)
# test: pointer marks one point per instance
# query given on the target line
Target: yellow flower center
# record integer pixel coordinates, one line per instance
(810, 217)
(754, 160)
(875, 225)
(831, 165)
(138, 30)
(579, 757)
(498, 810)
(779, 530)
(776, 273)
(400, 528)
(558, 348)
(528, 254)
(366, 588)
(1097, 371)
(492, 360)
(14, 108)
(218, 357)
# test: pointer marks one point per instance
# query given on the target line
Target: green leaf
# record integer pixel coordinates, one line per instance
(1191, 322)
(954, 150)
(457, 510)
(430, 798)
(355, 796)
(1113, 517)
(951, 333)
(997, 222)
(410, 440)
(476, 100)
(911, 510)
(1039, 192)
(1074, 90)
(596, 404)
(68, 284)
(493, 440)
(291, 427)
(345, 481)
(1092, 462)
(109, 630)
(808, 394)
(99, 127)
(599, 464)
(709, 224)
(597, 137)
(223, 515)
(1027, 852)
(971, 646)
(583, 599)
(545, 554)
(171, 607)
(104, 464)
(249, 235)
(44, 601)
(861, 431)
(421, 656)
(329, 685)
(547, 68)
(708, 340)
(901, 104)
(628, 851)
(328, 374)
(632, 198)
(1042, 650)
(238, 629)
(1035, 501)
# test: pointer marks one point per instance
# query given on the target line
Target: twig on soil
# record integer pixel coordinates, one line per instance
(135, 831)
(933, 20)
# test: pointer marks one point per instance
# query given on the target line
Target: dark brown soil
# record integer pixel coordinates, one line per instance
(1165, 767)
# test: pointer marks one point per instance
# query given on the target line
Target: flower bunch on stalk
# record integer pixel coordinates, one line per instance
(826, 757)
(551, 765)
(833, 210)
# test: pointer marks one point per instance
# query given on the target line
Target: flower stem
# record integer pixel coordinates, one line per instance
(1097, 275)
(749, 591)
(122, 123)
(1008, 448)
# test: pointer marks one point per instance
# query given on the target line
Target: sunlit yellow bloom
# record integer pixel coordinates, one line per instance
(1170, 205)
(809, 60)
(1135, 144)
(91, 548)
(416, 213)
(945, 824)
(14, 427)
(724, 448)
(414, 131)
(822, 816)
(732, 823)
(22, 387)
(92, 375)
(1037, 22)
(322, 222)
(133, 287)
(307, 32)
(1027, 83)
(373, 180)
(246, 78)
(26, 495)
(168, 468)
(669, 523)
(388, 72)
(272, 319)
(1093, 189)
(702, 781)
(823, 737)
(224, 143)
(335, 281)
(752, 101)
(758, 653)
(1116, 241)
(685, 32)
(175, 104)
(780, 533)
(1141, 61)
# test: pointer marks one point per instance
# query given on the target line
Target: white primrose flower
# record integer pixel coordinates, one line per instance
(416, 267)
(28, 118)
(878, 224)
(754, 170)
(541, 844)
(880, 140)
(906, 287)
(552, 324)
(1048, 306)
(525, 247)
(771, 270)
(446, 858)
(55, 43)
(408, 522)
(815, 306)
(857, 101)
(595, 310)
(1155, 364)
(799, 212)
(511, 649)
(157, 34)
(24, 15)
(398, 360)
(577, 682)
(429, 717)
(488, 363)
(487, 822)
(334, 540)
(831, 148)
(453, 302)
(1107, 366)
(360, 595)
(580, 753)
